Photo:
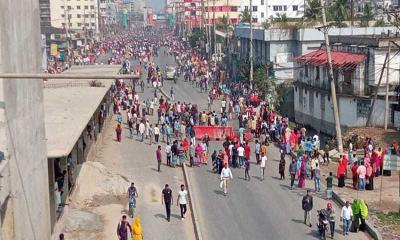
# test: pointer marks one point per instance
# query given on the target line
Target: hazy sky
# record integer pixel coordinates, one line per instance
(156, 4)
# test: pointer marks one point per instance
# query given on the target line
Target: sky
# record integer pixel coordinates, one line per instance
(157, 5)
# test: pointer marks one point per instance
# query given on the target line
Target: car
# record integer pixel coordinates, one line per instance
(170, 73)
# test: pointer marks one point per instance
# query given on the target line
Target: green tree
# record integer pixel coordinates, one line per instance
(339, 12)
(224, 24)
(380, 23)
(245, 16)
(266, 24)
(195, 37)
(368, 15)
(313, 10)
(264, 85)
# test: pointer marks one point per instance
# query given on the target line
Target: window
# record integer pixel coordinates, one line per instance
(275, 8)
(284, 8)
(79, 24)
(279, 8)
(246, 8)
(69, 7)
(92, 24)
(62, 7)
(262, 14)
(70, 24)
(295, 8)
(92, 7)
(86, 7)
(254, 8)
(262, 2)
(69, 16)
(62, 15)
(234, 9)
(92, 15)
(78, 16)
(78, 7)
(86, 15)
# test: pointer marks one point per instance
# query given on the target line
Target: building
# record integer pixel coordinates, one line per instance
(279, 46)
(357, 63)
(264, 10)
(76, 16)
(24, 193)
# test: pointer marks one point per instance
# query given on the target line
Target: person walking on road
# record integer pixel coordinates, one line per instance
(122, 229)
(226, 173)
(167, 199)
(262, 166)
(246, 169)
(346, 215)
(282, 164)
(118, 131)
(168, 152)
(331, 218)
(156, 132)
(317, 178)
(182, 195)
(142, 129)
(159, 157)
(292, 171)
(307, 205)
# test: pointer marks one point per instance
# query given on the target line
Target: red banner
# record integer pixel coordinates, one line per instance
(214, 132)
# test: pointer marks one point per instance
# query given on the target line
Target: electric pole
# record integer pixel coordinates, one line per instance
(251, 45)
(332, 81)
(208, 29)
(386, 117)
(215, 36)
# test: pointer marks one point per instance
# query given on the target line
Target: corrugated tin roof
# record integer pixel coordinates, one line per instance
(339, 59)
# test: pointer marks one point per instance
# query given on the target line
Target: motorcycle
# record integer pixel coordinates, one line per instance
(323, 223)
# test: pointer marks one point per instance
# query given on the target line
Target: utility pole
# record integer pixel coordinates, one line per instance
(352, 12)
(215, 36)
(332, 81)
(208, 29)
(386, 117)
(251, 45)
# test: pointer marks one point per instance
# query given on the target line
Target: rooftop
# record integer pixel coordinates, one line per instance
(69, 108)
(339, 59)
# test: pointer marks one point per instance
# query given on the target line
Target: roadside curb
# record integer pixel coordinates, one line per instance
(372, 231)
(192, 205)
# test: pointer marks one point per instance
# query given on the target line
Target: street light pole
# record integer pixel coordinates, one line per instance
(332, 82)
(215, 36)
(251, 45)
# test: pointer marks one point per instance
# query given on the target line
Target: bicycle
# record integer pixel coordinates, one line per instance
(132, 206)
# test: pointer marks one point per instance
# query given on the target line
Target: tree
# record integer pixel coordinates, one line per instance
(339, 12)
(266, 24)
(264, 85)
(245, 16)
(368, 15)
(224, 24)
(195, 37)
(313, 10)
(281, 18)
(380, 23)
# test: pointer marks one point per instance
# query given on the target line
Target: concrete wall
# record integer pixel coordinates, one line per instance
(314, 108)
(20, 51)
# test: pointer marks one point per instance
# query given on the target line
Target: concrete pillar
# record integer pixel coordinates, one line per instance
(20, 51)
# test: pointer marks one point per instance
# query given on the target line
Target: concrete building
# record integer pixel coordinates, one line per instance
(75, 115)
(24, 195)
(267, 9)
(357, 62)
(76, 15)
(278, 46)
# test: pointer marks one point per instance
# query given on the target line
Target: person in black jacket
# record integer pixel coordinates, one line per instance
(307, 205)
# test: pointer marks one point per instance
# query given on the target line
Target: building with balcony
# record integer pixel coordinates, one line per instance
(76, 15)
(267, 9)
(357, 65)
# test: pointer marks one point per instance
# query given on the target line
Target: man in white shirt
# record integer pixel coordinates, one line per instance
(168, 153)
(345, 216)
(142, 128)
(262, 165)
(156, 131)
(226, 173)
(182, 201)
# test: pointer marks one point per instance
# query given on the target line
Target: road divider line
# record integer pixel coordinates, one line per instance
(192, 204)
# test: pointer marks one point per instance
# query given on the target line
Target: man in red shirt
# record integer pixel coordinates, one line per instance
(158, 156)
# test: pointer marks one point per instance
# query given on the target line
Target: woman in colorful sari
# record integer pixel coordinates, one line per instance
(302, 177)
(199, 153)
(137, 229)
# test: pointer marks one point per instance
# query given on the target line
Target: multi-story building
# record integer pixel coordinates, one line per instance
(357, 65)
(267, 9)
(76, 15)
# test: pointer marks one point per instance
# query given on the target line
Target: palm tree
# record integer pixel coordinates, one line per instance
(368, 15)
(313, 10)
(339, 12)
(281, 17)
(245, 16)
(224, 24)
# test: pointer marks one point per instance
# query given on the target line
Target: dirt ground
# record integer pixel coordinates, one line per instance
(379, 136)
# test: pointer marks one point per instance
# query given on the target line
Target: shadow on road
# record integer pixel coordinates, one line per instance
(219, 192)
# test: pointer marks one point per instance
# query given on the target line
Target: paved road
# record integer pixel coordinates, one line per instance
(253, 209)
